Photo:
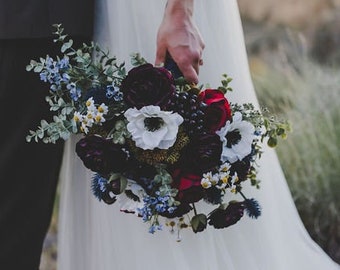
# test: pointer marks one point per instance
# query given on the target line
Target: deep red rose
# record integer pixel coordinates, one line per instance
(148, 85)
(217, 112)
(188, 185)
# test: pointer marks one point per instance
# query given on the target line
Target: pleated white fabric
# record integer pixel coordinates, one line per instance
(96, 236)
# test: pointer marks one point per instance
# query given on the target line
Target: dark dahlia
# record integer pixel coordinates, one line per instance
(101, 155)
(202, 154)
(148, 85)
(222, 218)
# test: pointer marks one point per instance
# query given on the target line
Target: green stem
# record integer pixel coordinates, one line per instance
(244, 197)
(194, 208)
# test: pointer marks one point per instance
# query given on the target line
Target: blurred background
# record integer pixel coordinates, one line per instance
(294, 57)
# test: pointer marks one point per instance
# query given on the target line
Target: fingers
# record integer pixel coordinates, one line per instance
(190, 66)
(190, 73)
(187, 61)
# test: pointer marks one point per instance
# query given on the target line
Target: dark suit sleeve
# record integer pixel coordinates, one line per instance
(34, 18)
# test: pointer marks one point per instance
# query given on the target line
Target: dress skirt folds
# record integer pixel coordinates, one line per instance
(93, 235)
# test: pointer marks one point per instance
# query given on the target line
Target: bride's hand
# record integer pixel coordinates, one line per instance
(179, 35)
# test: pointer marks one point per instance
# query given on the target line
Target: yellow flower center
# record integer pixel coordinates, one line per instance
(225, 179)
(98, 118)
(205, 184)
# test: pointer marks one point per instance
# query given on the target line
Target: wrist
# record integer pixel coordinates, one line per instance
(180, 8)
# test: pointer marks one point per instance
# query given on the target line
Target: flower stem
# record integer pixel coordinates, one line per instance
(195, 211)
(244, 197)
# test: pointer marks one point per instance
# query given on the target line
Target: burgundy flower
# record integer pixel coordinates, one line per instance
(241, 167)
(218, 110)
(148, 85)
(222, 218)
(202, 154)
(188, 185)
(101, 155)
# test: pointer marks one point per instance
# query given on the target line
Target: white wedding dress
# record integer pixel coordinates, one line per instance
(96, 236)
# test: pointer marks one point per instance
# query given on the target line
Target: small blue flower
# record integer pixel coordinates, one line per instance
(171, 209)
(55, 72)
(155, 227)
(75, 92)
(43, 76)
(114, 92)
(63, 63)
(65, 78)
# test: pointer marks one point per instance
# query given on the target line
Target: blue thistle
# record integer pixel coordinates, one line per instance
(99, 186)
(252, 208)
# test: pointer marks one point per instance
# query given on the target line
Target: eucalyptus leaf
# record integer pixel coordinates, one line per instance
(38, 68)
(66, 46)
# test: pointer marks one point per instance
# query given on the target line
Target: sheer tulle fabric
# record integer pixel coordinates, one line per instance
(93, 235)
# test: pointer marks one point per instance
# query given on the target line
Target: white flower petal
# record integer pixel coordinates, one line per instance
(243, 147)
(151, 140)
(129, 205)
(162, 138)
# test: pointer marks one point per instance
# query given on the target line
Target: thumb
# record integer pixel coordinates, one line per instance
(160, 55)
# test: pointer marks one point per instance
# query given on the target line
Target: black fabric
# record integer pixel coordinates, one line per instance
(33, 18)
(28, 171)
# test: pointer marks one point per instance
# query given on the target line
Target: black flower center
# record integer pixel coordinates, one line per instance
(233, 138)
(153, 123)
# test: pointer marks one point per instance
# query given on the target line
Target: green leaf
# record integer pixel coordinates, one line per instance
(38, 68)
(66, 45)
(28, 138)
(272, 142)
(199, 223)
(43, 124)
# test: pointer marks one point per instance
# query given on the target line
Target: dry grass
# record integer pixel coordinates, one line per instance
(288, 82)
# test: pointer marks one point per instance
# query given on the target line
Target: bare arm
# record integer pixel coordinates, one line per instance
(179, 35)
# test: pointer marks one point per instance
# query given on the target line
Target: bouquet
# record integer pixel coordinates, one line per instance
(156, 144)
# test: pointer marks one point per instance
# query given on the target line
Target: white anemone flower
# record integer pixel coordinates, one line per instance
(151, 128)
(128, 205)
(237, 137)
